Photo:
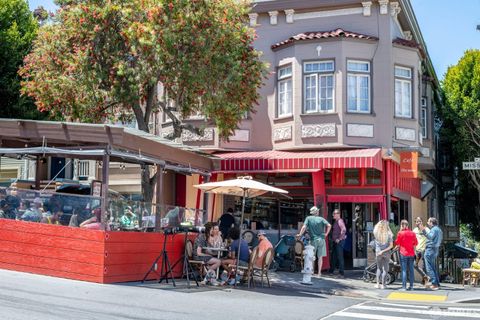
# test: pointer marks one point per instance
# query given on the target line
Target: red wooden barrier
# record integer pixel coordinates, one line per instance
(87, 255)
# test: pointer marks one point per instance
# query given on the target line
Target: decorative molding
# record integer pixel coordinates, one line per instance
(190, 136)
(242, 135)
(253, 19)
(367, 8)
(290, 15)
(318, 130)
(405, 134)
(282, 133)
(407, 35)
(360, 130)
(394, 9)
(425, 152)
(383, 6)
(328, 13)
(273, 17)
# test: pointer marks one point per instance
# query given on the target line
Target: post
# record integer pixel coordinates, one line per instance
(206, 178)
(37, 173)
(159, 197)
(105, 182)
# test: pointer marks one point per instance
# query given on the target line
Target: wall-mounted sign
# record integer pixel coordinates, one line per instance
(409, 164)
(96, 188)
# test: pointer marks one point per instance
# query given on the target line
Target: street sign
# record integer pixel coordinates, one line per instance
(471, 165)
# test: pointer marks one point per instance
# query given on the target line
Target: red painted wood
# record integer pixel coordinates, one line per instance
(180, 190)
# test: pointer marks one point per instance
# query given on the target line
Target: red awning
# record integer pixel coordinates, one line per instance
(273, 160)
(356, 198)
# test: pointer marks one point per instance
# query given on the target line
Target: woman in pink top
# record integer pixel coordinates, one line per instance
(406, 240)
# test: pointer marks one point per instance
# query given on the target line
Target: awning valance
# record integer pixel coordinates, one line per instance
(273, 160)
(356, 198)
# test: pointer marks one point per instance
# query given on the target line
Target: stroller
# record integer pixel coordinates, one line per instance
(284, 259)
(370, 273)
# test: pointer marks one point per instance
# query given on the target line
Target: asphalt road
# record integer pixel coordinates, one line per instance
(27, 296)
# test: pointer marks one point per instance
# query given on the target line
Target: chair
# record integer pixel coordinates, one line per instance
(299, 253)
(248, 270)
(198, 264)
(266, 262)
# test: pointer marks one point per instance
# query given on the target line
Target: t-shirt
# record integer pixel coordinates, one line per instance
(226, 221)
(316, 227)
(382, 246)
(263, 246)
(421, 239)
(200, 241)
(407, 240)
(244, 252)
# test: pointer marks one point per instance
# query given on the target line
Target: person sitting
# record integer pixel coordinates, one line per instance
(263, 245)
(129, 220)
(215, 238)
(199, 253)
(34, 213)
(234, 248)
(54, 217)
(93, 223)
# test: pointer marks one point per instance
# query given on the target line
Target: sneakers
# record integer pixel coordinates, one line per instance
(410, 289)
(402, 289)
(383, 286)
(433, 287)
(377, 286)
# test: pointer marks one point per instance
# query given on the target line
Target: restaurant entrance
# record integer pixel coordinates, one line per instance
(359, 220)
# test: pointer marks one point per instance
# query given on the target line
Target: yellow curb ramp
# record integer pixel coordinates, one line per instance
(416, 296)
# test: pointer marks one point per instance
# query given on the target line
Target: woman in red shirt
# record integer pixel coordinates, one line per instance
(406, 240)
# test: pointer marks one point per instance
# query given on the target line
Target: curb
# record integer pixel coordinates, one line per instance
(333, 292)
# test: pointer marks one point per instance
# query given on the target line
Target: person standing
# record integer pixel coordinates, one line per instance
(434, 241)
(339, 233)
(226, 222)
(420, 249)
(383, 243)
(318, 229)
(407, 241)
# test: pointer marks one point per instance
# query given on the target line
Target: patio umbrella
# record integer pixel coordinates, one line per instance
(244, 187)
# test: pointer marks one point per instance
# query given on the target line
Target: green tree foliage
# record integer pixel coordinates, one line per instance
(18, 28)
(462, 118)
(102, 60)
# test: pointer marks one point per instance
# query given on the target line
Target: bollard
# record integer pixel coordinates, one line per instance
(308, 259)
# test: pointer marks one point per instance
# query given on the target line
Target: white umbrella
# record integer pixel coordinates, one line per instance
(244, 187)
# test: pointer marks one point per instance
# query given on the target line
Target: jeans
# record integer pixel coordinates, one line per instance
(431, 255)
(420, 263)
(383, 261)
(337, 257)
(407, 264)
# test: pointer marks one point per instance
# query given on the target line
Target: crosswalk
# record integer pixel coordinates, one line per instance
(403, 311)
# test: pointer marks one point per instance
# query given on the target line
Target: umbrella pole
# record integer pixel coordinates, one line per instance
(279, 221)
(240, 238)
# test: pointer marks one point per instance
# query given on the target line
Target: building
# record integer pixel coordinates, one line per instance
(352, 94)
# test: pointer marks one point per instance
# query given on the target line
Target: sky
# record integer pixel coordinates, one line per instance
(448, 28)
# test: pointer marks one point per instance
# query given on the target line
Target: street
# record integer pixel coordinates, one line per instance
(28, 296)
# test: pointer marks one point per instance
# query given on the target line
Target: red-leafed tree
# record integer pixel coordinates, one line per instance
(100, 60)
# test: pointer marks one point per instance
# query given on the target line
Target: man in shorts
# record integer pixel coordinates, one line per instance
(318, 229)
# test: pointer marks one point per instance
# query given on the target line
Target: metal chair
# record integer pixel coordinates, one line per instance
(266, 262)
(248, 270)
(299, 247)
(198, 264)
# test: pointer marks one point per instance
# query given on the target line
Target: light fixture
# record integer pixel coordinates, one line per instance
(319, 49)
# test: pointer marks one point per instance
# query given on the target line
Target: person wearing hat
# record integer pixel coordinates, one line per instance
(263, 245)
(318, 229)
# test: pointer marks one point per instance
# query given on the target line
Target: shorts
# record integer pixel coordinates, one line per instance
(205, 259)
(320, 247)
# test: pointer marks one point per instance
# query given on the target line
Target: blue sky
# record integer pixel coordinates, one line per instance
(448, 28)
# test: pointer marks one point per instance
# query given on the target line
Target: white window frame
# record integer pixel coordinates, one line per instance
(287, 95)
(358, 74)
(423, 122)
(317, 75)
(403, 106)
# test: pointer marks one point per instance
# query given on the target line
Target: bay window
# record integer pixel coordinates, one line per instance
(403, 92)
(358, 86)
(285, 98)
(319, 86)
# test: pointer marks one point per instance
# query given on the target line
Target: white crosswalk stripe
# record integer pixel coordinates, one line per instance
(402, 311)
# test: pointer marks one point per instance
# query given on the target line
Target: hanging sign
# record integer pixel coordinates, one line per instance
(409, 164)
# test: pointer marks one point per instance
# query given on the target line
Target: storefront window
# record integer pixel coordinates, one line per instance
(373, 176)
(351, 176)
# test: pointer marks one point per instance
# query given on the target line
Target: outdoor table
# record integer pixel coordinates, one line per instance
(219, 253)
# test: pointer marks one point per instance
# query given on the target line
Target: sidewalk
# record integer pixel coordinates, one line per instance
(354, 286)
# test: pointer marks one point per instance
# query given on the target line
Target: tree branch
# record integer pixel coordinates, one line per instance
(139, 115)
(149, 103)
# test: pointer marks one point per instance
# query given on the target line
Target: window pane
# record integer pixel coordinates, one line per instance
(326, 92)
(285, 72)
(352, 93)
(324, 66)
(358, 66)
(352, 176)
(406, 99)
(285, 97)
(403, 72)
(398, 98)
(310, 93)
(373, 176)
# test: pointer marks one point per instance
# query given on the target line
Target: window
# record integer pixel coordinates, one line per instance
(358, 86)
(319, 87)
(423, 122)
(285, 91)
(450, 213)
(403, 92)
(328, 178)
(374, 176)
(351, 176)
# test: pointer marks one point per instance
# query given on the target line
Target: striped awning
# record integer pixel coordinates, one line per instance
(281, 161)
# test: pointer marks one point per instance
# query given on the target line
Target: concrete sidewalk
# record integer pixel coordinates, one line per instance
(354, 286)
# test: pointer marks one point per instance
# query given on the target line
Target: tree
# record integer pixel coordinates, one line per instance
(462, 114)
(119, 59)
(18, 28)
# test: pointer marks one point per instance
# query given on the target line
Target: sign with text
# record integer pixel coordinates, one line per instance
(471, 165)
(409, 164)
